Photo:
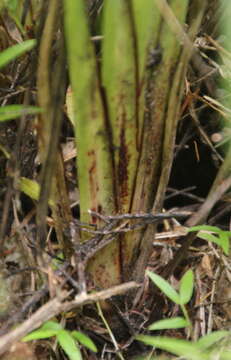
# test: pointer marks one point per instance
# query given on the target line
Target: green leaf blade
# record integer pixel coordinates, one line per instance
(15, 51)
(40, 334)
(224, 238)
(84, 340)
(210, 237)
(205, 228)
(68, 344)
(208, 340)
(165, 287)
(51, 325)
(32, 189)
(177, 347)
(10, 112)
(186, 287)
(174, 323)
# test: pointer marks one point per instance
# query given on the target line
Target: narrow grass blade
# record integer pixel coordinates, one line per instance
(10, 112)
(15, 51)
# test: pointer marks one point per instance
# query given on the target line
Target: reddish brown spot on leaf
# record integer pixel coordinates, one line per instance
(123, 165)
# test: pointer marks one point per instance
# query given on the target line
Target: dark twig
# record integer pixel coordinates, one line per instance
(184, 192)
(108, 233)
(143, 216)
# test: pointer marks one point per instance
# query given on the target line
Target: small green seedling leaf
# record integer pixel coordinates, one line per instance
(186, 287)
(69, 345)
(51, 325)
(174, 323)
(208, 340)
(84, 340)
(10, 112)
(165, 287)
(15, 51)
(48, 329)
(40, 334)
(177, 347)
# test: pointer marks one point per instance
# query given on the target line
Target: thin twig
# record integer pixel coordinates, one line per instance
(109, 331)
(145, 216)
(198, 218)
(184, 192)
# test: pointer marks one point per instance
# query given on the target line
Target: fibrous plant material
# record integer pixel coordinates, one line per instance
(126, 112)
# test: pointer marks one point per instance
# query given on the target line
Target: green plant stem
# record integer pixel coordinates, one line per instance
(185, 312)
(109, 330)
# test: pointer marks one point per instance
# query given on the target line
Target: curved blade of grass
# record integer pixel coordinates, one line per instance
(68, 344)
(165, 287)
(177, 347)
(214, 239)
(186, 287)
(15, 51)
(84, 340)
(174, 323)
